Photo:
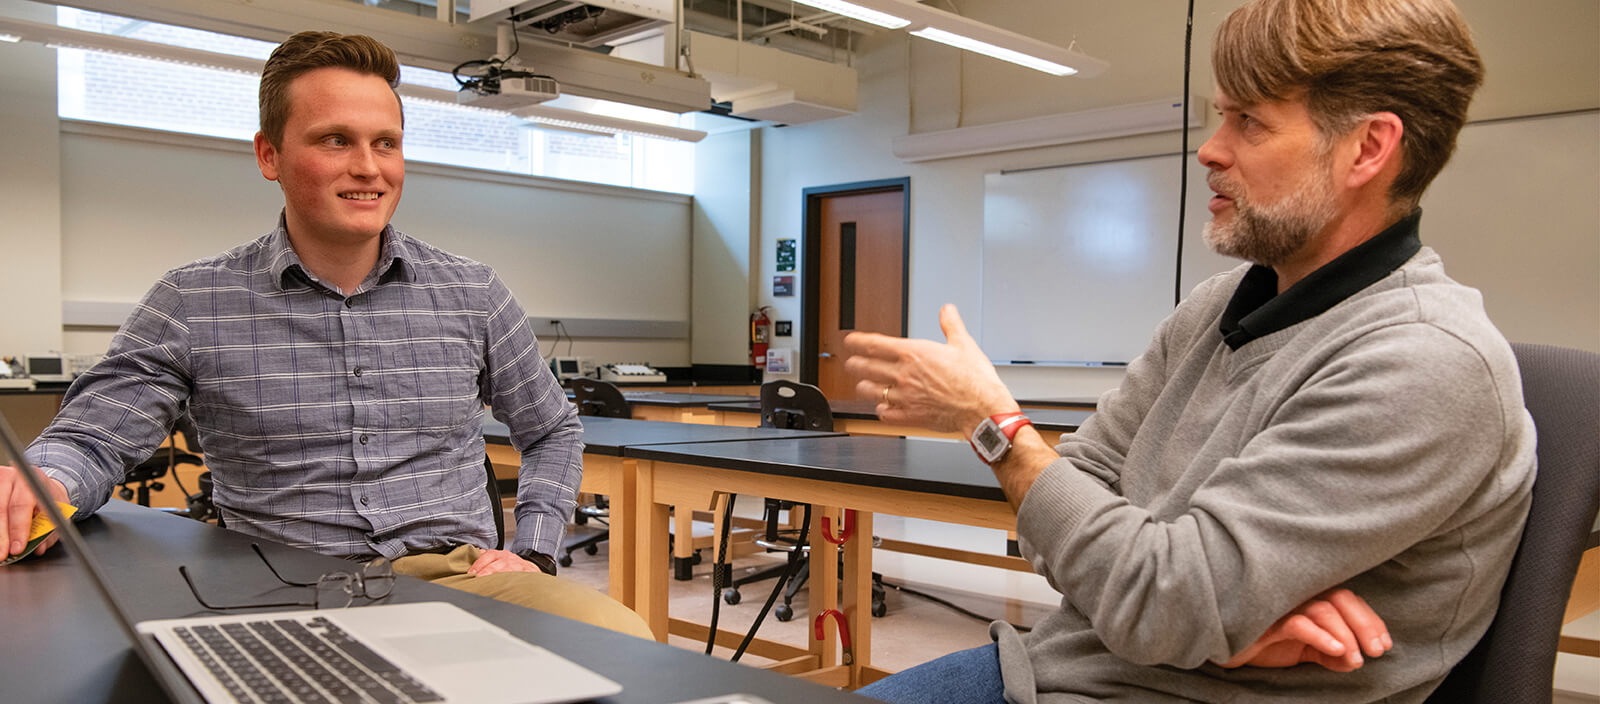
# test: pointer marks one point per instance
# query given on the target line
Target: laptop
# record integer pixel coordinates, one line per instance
(421, 652)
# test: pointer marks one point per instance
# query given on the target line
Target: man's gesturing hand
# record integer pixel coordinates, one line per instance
(948, 387)
(1331, 630)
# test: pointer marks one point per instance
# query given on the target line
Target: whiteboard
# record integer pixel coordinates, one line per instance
(1079, 262)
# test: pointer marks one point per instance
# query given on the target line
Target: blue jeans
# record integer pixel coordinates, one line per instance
(964, 677)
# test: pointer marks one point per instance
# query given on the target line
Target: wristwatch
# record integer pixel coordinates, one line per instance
(992, 438)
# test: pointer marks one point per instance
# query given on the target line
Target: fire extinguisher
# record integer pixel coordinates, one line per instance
(760, 336)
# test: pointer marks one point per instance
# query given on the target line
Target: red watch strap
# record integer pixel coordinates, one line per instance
(1010, 423)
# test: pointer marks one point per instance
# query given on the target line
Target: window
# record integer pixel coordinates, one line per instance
(155, 94)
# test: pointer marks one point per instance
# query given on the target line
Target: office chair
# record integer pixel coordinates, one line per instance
(496, 504)
(786, 404)
(147, 476)
(594, 398)
(1514, 662)
(599, 398)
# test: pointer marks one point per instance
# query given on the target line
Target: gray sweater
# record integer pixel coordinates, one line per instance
(1381, 445)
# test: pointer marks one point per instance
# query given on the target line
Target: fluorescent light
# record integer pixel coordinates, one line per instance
(999, 52)
(857, 12)
(971, 35)
(67, 38)
(591, 122)
(1050, 130)
(10, 38)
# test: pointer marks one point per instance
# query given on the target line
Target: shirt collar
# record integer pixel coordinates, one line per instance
(1257, 309)
(289, 272)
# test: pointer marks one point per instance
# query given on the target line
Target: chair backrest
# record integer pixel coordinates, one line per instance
(1515, 659)
(786, 404)
(496, 505)
(599, 398)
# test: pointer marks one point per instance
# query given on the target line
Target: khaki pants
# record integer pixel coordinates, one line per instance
(535, 590)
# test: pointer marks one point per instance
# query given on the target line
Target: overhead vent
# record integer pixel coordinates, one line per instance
(587, 24)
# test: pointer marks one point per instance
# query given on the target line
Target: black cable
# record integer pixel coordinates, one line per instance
(947, 604)
(789, 571)
(721, 572)
(172, 463)
(516, 41)
(1183, 155)
(563, 328)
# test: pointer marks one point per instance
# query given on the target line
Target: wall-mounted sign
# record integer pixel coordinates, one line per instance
(783, 285)
(783, 328)
(786, 255)
(778, 360)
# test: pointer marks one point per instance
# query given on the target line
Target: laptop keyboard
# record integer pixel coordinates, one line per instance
(275, 661)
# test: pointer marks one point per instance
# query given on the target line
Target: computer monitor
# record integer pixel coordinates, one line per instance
(49, 367)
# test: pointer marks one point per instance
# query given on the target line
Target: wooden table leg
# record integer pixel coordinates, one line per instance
(650, 550)
(857, 602)
(823, 595)
(624, 498)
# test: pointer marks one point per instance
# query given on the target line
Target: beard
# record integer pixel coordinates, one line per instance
(1269, 234)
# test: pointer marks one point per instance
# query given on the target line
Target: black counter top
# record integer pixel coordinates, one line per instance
(608, 436)
(913, 464)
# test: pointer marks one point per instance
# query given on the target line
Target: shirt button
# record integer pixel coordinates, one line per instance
(358, 371)
(349, 302)
(363, 501)
(362, 439)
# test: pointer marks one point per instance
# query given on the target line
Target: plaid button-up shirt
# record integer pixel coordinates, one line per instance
(349, 425)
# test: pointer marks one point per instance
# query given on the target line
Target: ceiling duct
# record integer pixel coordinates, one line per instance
(589, 24)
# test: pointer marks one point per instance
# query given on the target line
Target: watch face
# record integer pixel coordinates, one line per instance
(990, 439)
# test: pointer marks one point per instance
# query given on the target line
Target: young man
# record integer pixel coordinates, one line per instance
(337, 369)
(1336, 418)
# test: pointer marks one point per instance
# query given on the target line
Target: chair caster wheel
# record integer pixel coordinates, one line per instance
(591, 549)
(564, 560)
(731, 596)
(784, 613)
(879, 609)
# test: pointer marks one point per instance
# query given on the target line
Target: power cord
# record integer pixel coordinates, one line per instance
(947, 604)
(1183, 154)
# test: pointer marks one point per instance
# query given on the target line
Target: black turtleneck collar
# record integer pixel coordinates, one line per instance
(1257, 309)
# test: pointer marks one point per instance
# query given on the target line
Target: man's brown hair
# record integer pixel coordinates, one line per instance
(313, 50)
(1352, 58)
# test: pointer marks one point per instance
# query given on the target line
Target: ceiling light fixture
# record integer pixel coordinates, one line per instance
(857, 12)
(67, 38)
(967, 34)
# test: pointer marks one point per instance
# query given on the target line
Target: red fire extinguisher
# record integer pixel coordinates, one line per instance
(760, 336)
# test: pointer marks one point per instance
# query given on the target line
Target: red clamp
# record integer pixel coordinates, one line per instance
(849, 528)
(844, 631)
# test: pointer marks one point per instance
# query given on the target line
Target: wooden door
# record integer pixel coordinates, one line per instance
(861, 282)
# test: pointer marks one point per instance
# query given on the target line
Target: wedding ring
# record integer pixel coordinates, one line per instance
(884, 399)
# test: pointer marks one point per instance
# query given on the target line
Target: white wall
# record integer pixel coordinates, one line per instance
(1541, 57)
(727, 178)
(30, 193)
(137, 202)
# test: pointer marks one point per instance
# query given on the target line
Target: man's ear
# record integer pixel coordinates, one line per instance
(1377, 148)
(266, 157)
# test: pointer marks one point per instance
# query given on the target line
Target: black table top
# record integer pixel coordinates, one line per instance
(923, 465)
(608, 436)
(678, 400)
(674, 399)
(66, 646)
(1061, 420)
(1061, 401)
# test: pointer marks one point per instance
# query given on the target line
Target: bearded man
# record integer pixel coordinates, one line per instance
(1329, 433)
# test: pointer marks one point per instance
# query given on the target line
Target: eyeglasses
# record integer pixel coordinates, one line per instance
(333, 590)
